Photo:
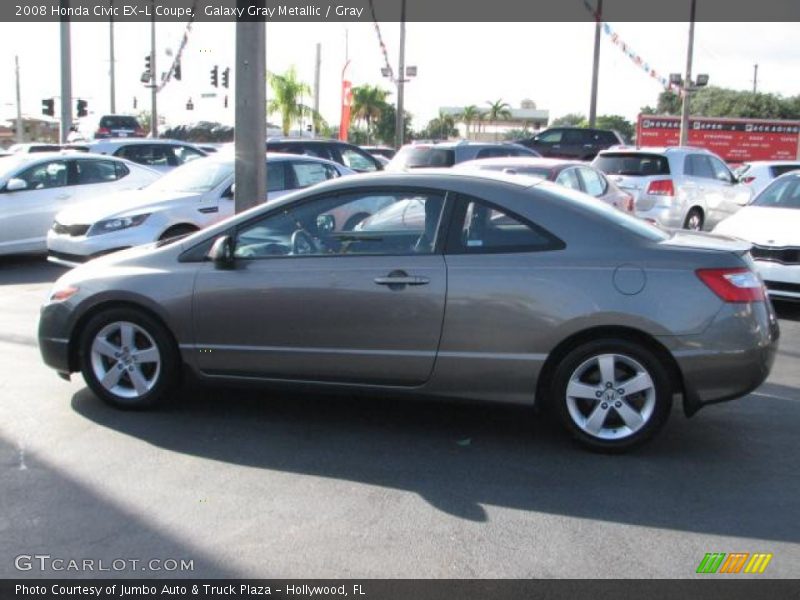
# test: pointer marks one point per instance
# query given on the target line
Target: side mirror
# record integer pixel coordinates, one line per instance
(221, 252)
(231, 191)
(326, 223)
(16, 184)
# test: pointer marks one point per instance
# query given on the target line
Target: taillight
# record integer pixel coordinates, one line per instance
(102, 131)
(749, 179)
(139, 132)
(733, 285)
(661, 187)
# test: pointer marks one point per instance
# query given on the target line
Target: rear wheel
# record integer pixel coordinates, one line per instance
(611, 394)
(694, 220)
(128, 359)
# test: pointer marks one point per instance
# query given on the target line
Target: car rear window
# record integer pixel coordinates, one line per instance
(416, 157)
(632, 163)
(119, 122)
(778, 170)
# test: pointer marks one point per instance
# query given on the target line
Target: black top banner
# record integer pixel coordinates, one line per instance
(495, 11)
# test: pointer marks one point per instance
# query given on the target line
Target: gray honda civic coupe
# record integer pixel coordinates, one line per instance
(475, 286)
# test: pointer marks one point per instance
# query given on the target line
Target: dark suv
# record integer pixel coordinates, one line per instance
(572, 142)
(341, 152)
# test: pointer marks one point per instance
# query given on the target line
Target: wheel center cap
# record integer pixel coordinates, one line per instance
(610, 396)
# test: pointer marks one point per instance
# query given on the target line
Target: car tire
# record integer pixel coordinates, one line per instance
(589, 397)
(177, 231)
(128, 359)
(694, 220)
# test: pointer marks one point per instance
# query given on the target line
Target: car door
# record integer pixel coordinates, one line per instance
(699, 186)
(28, 214)
(733, 196)
(308, 301)
(548, 143)
(574, 144)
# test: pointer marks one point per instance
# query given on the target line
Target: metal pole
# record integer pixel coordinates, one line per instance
(20, 130)
(153, 76)
(111, 61)
(687, 81)
(598, 17)
(250, 133)
(401, 76)
(316, 89)
(66, 77)
(755, 78)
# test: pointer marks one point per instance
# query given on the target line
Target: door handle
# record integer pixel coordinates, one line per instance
(62, 196)
(402, 280)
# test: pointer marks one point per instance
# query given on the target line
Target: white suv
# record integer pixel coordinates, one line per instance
(677, 186)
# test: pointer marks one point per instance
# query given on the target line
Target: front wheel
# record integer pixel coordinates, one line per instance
(611, 395)
(128, 359)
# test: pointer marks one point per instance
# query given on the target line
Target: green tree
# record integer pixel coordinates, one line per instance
(617, 123)
(722, 102)
(386, 125)
(369, 101)
(469, 115)
(498, 111)
(287, 91)
(570, 120)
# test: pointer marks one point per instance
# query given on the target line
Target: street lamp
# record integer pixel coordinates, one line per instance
(409, 72)
(687, 87)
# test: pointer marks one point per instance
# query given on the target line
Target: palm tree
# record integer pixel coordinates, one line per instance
(497, 111)
(447, 123)
(369, 102)
(287, 91)
(468, 115)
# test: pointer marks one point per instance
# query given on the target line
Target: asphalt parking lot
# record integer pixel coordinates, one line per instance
(248, 484)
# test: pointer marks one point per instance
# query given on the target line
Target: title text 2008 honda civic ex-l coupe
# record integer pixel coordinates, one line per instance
(484, 286)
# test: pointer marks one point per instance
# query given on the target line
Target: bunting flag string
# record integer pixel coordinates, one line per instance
(380, 41)
(177, 60)
(630, 53)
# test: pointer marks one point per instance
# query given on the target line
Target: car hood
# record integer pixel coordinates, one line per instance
(706, 241)
(121, 204)
(765, 226)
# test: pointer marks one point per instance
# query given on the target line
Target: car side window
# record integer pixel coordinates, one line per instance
(46, 175)
(95, 171)
(307, 173)
(276, 176)
(721, 172)
(549, 137)
(698, 165)
(594, 184)
(569, 179)
(572, 136)
(373, 222)
(484, 228)
(154, 155)
(357, 161)
(185, 154)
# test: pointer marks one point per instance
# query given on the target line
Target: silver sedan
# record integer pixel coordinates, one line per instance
(510, 289)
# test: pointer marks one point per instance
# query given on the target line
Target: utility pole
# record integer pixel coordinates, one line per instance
(250, 132)
(401, 76)
(66, 77)
(687, 80)
(598, 18)
(111, 61)
(316, 88)
(153, 78)
(20, 130)
(755, 78)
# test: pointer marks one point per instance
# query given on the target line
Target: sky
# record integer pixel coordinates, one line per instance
(458, 63)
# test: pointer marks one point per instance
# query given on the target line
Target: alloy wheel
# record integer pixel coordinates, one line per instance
(125, 359)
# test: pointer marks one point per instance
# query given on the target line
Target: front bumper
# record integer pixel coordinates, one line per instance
(54, 343)
(71, 251)
(782, 281)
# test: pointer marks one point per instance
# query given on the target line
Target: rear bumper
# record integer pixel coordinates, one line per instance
(731, 358)
(667, 216)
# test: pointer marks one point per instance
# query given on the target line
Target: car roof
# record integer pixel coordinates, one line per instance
(132, 140)
(462, 144)
(228, 157)
(442, 176)
(665, 150)
(758, 163)
(531, 161)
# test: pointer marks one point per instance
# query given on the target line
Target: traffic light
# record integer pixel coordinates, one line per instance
(308, 128)
(226, 101)
(135, 102)
(82, 106)
(226, 74)
(190, 105)
(148, 63)
(177, 72)
(48, 107)
(215, 76)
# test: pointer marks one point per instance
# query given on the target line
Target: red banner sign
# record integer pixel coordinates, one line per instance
(735, 140)
(347, 102)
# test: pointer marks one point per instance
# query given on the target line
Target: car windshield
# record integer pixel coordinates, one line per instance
(632, 163)
(197, 176)
(414, 157)
(781, 193)
(117, 122)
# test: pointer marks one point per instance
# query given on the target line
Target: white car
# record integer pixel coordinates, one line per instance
(772, 223)
(187, 199)
(161, 155)
(34, 187)
(759, 173)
